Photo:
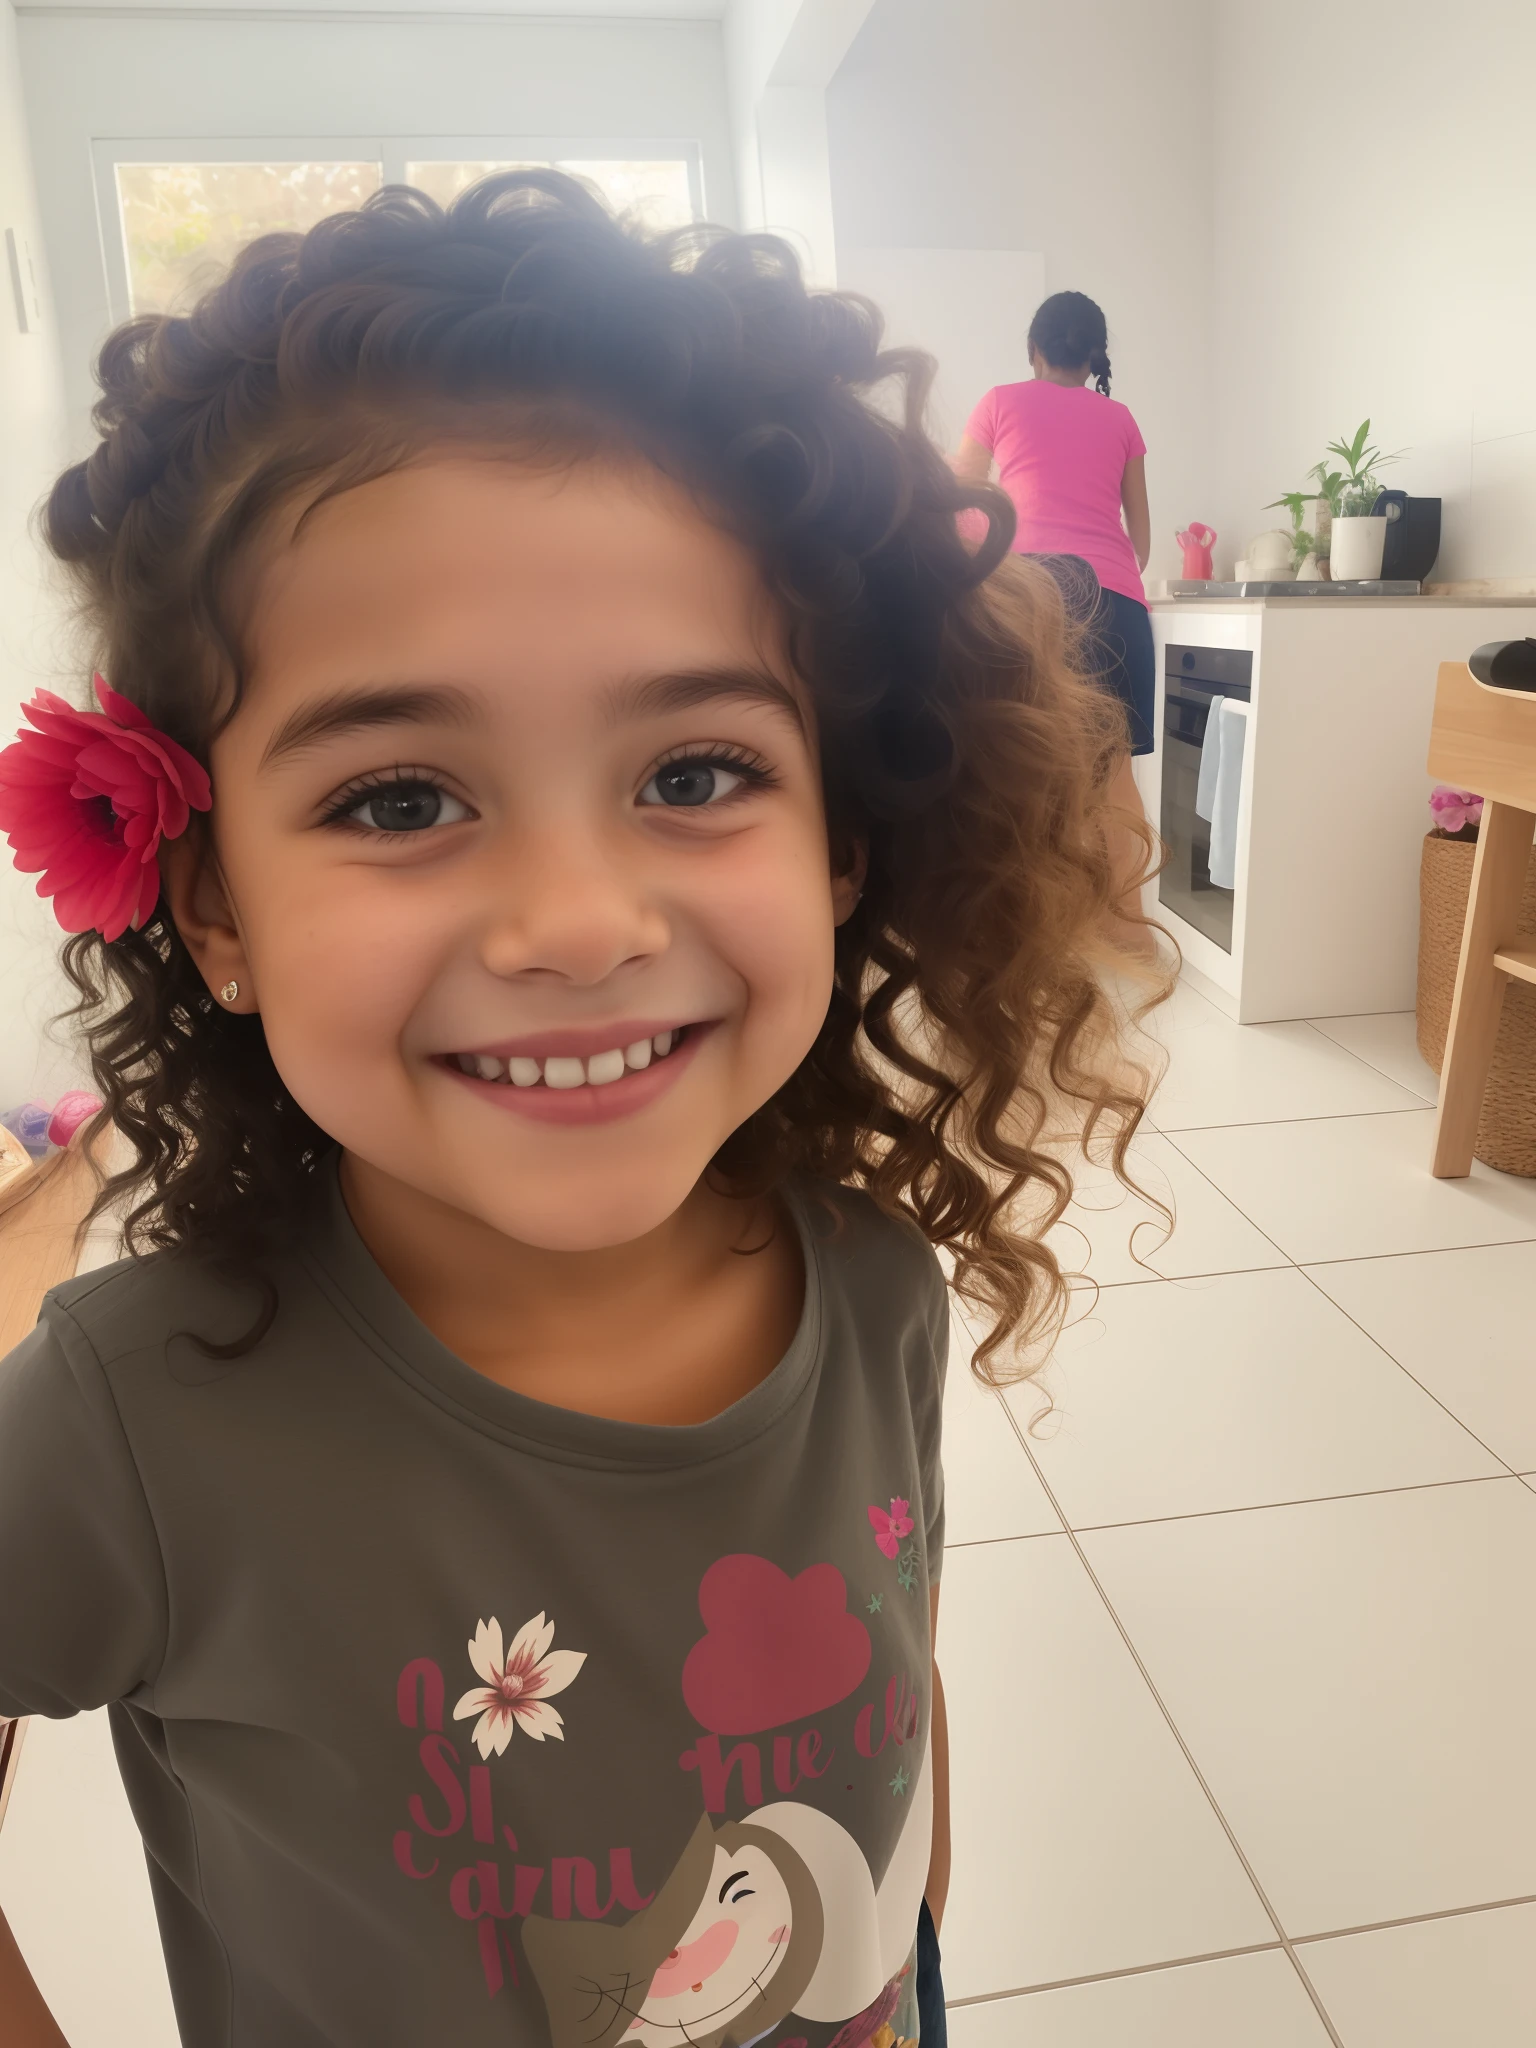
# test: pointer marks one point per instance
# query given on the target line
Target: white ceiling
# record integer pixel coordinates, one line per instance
(547, 10)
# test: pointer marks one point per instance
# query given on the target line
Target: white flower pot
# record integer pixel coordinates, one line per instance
(1355, 547)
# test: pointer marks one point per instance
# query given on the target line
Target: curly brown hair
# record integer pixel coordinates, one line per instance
(962, 747)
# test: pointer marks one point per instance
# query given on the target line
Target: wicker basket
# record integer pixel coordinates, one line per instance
(1506, 1130)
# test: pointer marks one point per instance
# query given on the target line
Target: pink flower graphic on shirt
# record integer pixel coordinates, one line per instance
(518, 1685)
(890, 1528)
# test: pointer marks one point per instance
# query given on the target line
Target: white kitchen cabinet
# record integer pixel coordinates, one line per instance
(1333, 805)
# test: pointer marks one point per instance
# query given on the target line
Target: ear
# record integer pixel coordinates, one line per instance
(199, 903)
(848, 881)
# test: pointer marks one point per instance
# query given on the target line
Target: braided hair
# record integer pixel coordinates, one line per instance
(1069, 330)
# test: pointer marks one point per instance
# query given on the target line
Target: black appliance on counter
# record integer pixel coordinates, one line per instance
(1194, 679)
(1413, 536)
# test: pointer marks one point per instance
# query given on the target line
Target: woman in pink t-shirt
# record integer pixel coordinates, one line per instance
(1074, 464)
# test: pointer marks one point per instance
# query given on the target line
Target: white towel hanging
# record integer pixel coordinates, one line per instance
(1231, 716)
(1210, 760)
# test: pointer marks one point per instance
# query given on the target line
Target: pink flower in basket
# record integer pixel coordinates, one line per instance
(86, 800)
(1454, 809)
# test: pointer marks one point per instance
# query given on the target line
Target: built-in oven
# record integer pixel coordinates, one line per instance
(1194, 678)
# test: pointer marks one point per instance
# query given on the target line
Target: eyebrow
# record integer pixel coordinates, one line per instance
(685, 689)
(356, 710)
(649, 696)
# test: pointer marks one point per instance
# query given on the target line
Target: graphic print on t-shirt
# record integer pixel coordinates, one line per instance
(733, 1935)
(767, 1921)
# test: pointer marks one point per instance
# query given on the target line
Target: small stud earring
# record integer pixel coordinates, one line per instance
(229, 991)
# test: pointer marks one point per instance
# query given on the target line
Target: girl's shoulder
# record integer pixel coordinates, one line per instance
(881, 1262)
(142, 1306)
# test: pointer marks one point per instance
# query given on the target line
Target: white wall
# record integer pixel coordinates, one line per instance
(779, 57)
(32, 450)
(1390, 271)
(89, 75)
(1078, 133)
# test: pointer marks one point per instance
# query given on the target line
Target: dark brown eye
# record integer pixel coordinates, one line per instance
(689, 785)
(406, 807)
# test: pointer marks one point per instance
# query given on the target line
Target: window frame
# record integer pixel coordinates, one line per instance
(390, 152)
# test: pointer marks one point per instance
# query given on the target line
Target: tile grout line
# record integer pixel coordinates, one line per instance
(1412, 1378)
(1431, 1102)
(1081, 1283)
(1215, 1955)
(1344, 1259)
(1222, 1955)
(1195, 1167)
(1178, 1736)
(1416, 1919)
(1266, 1507)
(1269, 1123)
(1435, 1251)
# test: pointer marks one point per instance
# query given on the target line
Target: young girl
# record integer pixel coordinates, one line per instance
(1074, 464)
(582, 882)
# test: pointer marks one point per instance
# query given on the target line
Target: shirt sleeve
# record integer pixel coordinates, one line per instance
(928, 1418)
(83, 1611)
(1134, 444)
(982, 424)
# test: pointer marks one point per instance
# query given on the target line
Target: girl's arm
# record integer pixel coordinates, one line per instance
(973, 463)
(937, 1889)
(25, 2022)
(1138, 519)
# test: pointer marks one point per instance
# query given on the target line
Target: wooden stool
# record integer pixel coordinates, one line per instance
(1485, 740)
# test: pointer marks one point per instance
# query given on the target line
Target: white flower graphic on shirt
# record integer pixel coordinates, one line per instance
(518, 1685)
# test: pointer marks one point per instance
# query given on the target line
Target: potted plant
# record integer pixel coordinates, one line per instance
(1330, 496)
(1359, 534)
(1303, 543)
(1506, 1129)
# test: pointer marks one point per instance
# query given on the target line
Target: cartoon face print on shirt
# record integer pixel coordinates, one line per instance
(717, 1959)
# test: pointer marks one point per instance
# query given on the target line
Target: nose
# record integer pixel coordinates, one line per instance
(569, 905)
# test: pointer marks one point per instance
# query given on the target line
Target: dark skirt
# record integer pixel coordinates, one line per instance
(930, 1986)
(1120, 651)
(1119, 642)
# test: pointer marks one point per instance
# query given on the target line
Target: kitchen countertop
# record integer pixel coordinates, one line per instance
(1512, 591)
(1425, 601)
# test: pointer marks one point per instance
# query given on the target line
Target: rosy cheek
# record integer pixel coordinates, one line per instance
(779, 1936)
(686, 1969)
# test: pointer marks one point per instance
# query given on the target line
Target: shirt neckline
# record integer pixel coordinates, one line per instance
(352, 1280)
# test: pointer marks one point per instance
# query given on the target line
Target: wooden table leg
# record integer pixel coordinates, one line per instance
(11, 1733)
(1493, 915)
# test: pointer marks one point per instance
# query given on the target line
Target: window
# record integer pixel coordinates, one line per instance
(656, 193)
(182, 223)
(183, 209)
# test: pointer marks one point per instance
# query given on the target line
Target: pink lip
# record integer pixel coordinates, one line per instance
(587, 1105)
(576, 1044)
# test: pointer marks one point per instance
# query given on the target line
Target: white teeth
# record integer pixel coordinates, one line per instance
(599, 1071)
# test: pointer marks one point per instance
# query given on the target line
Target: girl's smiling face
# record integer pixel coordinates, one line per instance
(523, 784)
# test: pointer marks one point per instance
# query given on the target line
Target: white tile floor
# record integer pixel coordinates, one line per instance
(1243, 1712)
(1239, 1647)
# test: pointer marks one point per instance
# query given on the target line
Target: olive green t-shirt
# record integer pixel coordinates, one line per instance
(451, 1717)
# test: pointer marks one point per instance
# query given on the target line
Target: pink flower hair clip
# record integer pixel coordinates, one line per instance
(85, 802)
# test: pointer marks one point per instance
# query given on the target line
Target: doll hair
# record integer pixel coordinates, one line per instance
(1069, 331)
(961, 745)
